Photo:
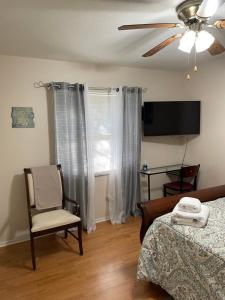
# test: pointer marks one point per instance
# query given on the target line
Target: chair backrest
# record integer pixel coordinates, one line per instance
(189, 172)
(30, 185)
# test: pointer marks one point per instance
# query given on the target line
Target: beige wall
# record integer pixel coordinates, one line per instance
(30, 147)
(208, 149)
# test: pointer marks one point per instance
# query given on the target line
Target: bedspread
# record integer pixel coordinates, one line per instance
(188, 262)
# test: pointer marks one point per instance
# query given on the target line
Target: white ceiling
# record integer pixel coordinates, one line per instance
(86, 30)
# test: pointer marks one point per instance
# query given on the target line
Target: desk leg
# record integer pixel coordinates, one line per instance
(149, 196)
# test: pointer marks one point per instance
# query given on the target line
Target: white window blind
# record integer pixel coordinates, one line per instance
(101, 131)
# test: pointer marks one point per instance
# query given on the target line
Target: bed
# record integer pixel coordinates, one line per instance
(188, 262)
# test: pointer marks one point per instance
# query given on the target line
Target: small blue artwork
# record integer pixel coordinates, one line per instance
(22, 117)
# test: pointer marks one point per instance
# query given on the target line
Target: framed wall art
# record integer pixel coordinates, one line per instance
(22, 117)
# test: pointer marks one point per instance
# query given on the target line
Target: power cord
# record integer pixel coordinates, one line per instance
(185, 150)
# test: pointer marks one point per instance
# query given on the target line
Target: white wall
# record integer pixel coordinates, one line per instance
(208, 149)
(30, 147)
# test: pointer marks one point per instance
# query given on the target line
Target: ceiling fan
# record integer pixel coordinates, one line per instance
(195, 15)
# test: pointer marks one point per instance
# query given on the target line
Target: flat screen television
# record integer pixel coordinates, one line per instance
(171, 118)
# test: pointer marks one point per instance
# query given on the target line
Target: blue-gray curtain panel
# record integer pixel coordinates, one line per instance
(71, 147)
(131, 150)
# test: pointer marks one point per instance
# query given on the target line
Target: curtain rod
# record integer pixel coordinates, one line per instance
(41, 84)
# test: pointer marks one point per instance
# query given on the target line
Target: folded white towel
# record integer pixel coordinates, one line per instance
(192, 219)
(189, 204)
(189, 222)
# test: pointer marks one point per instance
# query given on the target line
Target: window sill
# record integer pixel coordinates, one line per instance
(104, 173)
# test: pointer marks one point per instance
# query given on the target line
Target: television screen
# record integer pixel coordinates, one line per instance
(171, 118)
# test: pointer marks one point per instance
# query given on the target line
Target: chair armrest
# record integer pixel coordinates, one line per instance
(70, 200)
(75, 206)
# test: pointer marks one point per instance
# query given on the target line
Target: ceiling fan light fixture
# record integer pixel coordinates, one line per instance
(203, 41)
(208, 8)
(187, 41)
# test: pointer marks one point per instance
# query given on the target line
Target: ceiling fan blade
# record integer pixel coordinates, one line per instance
(208, 8)
(162, 45)
(216, 48)
(220, 24)
(146, 26)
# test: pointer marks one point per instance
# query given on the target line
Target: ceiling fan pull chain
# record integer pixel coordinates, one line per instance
(195, 67)
(188, 76)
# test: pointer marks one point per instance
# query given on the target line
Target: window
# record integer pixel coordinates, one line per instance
(101, 130)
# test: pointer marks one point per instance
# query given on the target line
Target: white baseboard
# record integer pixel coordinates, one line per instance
(20, 239)
(25, 237)
(103, 219)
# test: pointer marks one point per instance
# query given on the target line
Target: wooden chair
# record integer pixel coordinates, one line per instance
(182, 185)
(54, 220)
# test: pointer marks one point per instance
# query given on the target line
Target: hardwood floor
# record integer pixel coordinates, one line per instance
(106, 271)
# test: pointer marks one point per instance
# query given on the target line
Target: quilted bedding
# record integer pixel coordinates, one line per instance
(188, 262)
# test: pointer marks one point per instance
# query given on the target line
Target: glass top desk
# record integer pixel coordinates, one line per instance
(171, 169)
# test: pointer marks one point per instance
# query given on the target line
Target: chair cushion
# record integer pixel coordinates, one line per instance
(31, 187)
(186, 186)
(51, 219)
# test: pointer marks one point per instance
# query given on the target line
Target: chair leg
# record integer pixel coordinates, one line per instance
(164, 191)
(80, 238)
(65, 234)
(32, 252)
